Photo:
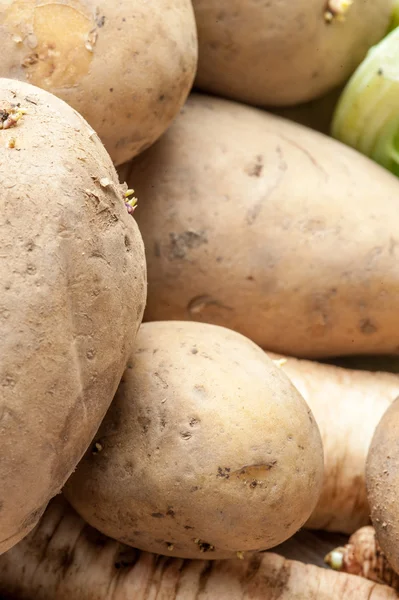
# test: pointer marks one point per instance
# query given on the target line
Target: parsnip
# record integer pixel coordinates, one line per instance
(362, 555)
(347, 406)
(65, 559)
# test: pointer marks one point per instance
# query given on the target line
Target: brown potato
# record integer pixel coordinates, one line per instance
(126, 66)
(286, 52)
(382, 481)
(276, 231)
(72, 295)
(207, 449)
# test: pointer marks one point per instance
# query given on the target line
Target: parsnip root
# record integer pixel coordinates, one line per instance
(347, 405)
(64, 558)
(363, 556)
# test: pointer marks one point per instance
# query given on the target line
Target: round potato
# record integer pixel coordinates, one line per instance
(266, 227)
(285, 52)
(72, 294)
(125, 65)
(382, 481)
(207, 448)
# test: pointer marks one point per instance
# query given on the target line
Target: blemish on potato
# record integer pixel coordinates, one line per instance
(158, 515)
(185, 435)
(223, 472)
(200, 304)
(180, 243)
(204, 546)
(62, 37)
(255, 169)
(367, 327)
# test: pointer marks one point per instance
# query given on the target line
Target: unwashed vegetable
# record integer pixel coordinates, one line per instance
(208, 450)
(276, 231)
(337, 397)
(367, 114)
(382, 480)
(363, 556)
(286, 52)
(126, 66)
(64, 558)
(72, 295)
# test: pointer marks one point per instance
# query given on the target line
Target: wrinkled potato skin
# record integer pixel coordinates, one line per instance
(382, 481)
(206, 443)
(281, 53)
(125, 65)
(273, 230)
(72, 294)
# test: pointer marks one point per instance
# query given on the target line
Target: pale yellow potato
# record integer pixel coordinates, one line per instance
(72, 295)
(283, 52)
(125, 65)
(207, 449)
(258, 224)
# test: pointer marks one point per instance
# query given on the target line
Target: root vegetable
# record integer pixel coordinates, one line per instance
(382, 481)
(363, 556)
(247, 224)
(285, 52)
(336, 397)
(64, 558)
(126, 65)
(207, 450)
(72, 295)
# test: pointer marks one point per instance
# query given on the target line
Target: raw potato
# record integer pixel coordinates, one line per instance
(206, 451)
(64, 558)
(285, 52)
(252, 222)
(382, 480)
(337, 397)
(72, 295)
(125, 65)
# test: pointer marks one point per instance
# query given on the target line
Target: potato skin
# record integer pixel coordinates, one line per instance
(382, 482)
(72, 295)
(276, 231)
(207, 449)
(282, 53)
(125, 65)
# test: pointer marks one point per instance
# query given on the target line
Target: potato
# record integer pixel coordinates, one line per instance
(72, 294)
(276, 231)
(126, 66)
(207, 448)
(382, 481)
(286, 52)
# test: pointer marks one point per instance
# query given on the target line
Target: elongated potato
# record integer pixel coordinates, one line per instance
(207, 451)
(263, 226)
(337, 398)
(284, 52)
(125, 65)
(72, 295)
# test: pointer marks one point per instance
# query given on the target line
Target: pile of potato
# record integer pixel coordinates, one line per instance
(199, 304)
